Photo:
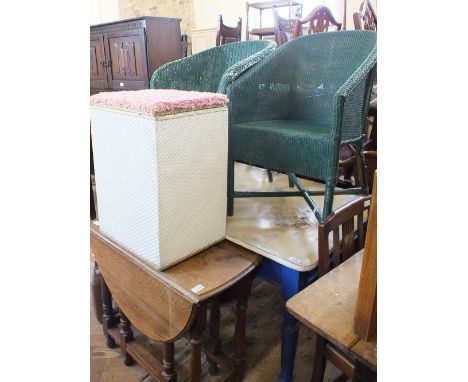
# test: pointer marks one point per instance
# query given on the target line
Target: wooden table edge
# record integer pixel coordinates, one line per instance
(271, 256)
(322, 333)
(191, 296)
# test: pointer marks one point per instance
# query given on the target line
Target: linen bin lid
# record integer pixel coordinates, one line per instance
(159, 101)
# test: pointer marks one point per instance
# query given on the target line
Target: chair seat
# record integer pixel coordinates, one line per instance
(297, 146)
(328, 305)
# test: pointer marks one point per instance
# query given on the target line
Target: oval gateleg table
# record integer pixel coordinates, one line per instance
(166, 305)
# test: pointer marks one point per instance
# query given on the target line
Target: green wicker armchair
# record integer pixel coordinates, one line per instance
(294, 109)
(211, 70)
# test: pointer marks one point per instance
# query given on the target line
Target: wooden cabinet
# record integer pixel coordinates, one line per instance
(124, 54)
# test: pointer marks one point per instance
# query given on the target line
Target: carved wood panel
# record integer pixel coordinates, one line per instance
(366, 18)
(127, 52)
(98, 72)
(320, 20)
(369, 18)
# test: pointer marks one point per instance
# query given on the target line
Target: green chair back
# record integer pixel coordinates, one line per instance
(302, 80)
(211, 70)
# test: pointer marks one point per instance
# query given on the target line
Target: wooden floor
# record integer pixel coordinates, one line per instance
(264, 317)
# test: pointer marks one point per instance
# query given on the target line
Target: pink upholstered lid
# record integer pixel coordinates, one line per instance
(159, 101)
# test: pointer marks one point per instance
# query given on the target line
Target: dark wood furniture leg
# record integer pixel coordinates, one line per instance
(364, 374)
(214, 335)
(96, 293)
(239, 333)
(126, 335)
(195, 339)
(320, 361)
(92, 207)
(168, 362)
(108, 313)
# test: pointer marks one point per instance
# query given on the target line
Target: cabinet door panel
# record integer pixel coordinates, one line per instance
(127, 53)
(98, 72)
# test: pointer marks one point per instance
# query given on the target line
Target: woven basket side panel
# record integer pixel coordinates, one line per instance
(192, 171)
(126, 181)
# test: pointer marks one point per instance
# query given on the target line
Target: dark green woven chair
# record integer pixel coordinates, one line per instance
(295, 108)
(211, 70)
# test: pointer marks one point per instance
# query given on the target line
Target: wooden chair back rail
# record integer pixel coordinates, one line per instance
(366, 18)
(351, 239)
(319, 20)
(226, 34)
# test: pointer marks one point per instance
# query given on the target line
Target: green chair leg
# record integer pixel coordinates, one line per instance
(270, 175)
(328, 200)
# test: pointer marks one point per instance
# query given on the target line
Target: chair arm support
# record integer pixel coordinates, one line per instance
(359, 75)
(346, 93)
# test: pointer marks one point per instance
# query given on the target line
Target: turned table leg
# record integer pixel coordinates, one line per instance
(126, 335)
(168, 362)
(107, 312)
(214, 335)
(239, 333)
(195, 340)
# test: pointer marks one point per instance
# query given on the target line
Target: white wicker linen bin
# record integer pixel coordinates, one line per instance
(160, 160)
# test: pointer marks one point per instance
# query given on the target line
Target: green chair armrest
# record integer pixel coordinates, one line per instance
(350, 95)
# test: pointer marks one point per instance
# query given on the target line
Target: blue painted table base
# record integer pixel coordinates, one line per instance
(291, 282)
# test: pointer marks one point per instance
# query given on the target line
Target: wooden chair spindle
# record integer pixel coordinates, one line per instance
(336, 247)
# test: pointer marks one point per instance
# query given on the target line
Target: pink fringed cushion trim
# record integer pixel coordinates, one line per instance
(159, 101)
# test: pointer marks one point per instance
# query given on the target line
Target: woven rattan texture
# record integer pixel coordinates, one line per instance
(211, 70)
(161, 182)
(192, 174)
(124, 148)
(294, 108)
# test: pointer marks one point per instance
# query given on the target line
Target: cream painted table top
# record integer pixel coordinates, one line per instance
(281, 229)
